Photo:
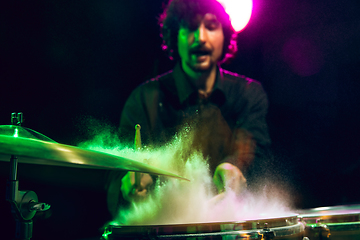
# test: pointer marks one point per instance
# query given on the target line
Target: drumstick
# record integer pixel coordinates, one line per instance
(137, 145)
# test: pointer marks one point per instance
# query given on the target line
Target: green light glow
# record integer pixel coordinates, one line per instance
(105, 235)
(177, 202)
(107, 232)
(16, 134)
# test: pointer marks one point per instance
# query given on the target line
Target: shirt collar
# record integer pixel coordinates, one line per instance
(185, 88)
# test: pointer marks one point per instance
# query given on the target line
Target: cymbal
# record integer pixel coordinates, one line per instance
(35, 148)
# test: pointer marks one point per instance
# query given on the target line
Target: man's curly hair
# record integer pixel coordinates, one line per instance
(182, 13)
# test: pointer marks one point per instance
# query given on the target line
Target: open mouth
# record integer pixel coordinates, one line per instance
(200, 52)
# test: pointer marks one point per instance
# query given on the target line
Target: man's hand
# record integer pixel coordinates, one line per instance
(130, 191)
(228, 176)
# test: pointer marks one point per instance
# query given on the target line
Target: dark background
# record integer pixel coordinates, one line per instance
(65, 61)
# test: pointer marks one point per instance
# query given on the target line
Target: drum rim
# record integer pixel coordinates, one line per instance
(330, 211)
(283, 231)
(353, 208)
(292, 215)
(230, 225)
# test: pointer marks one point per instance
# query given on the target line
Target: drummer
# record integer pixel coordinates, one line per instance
(227, 110)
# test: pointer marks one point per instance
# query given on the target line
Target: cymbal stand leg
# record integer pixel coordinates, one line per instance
(24, 204)
(13, 184)
(23, 227)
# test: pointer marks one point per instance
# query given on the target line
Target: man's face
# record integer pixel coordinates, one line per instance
(200, 47)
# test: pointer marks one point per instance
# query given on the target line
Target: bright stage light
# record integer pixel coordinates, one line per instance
(239, 12)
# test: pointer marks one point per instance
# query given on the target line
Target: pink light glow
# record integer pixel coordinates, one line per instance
(239, 12)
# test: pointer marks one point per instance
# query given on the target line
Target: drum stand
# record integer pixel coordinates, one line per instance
(24, 204)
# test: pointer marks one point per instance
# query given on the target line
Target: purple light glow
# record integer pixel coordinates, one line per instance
(239, 12)
(303, 56)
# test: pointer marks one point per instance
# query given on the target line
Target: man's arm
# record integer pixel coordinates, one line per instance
(250, 143)
(140, 108)
(251, 140)
(120, 187)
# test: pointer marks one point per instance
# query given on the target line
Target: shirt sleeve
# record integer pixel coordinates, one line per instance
(255, 122)
(251, 137)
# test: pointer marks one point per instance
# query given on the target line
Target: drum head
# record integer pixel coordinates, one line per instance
(281, 227)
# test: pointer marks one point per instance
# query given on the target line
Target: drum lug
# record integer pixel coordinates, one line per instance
(324, 231)
(319, 231)
(266, 233)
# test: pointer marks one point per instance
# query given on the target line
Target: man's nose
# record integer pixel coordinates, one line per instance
(200, 34)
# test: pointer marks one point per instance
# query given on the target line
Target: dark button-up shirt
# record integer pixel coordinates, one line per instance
(167, 103)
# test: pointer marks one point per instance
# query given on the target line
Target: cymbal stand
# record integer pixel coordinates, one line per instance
(24, 204)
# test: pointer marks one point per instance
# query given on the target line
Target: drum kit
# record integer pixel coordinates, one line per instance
(22, 145)
(336, 223)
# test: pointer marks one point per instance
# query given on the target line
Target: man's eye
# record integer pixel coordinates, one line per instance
(212, 25)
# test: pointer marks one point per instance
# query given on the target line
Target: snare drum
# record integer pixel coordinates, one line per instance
(335, 223)
(278, 228)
